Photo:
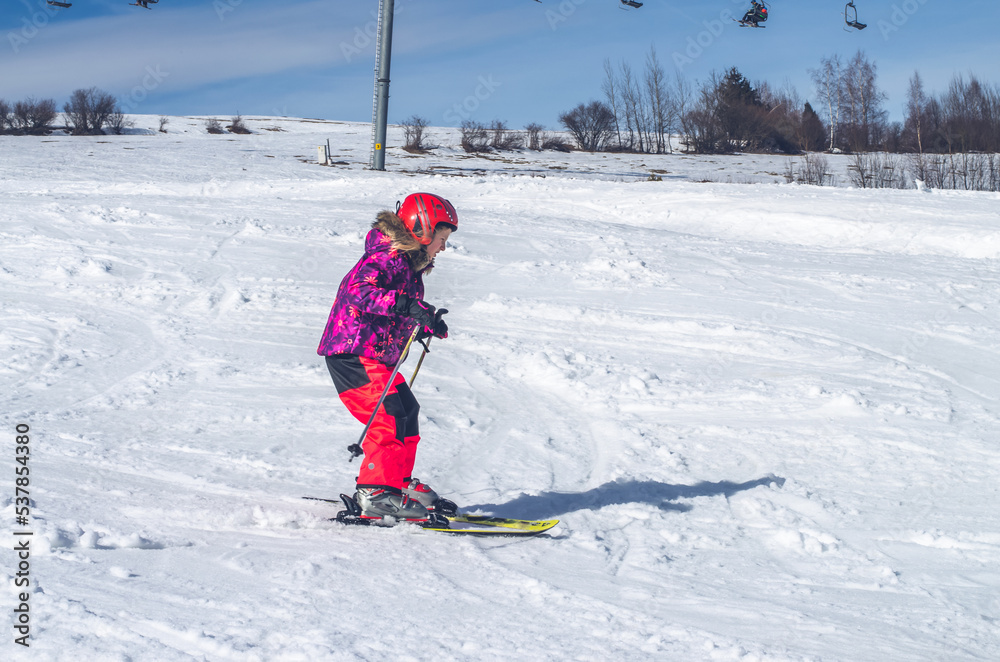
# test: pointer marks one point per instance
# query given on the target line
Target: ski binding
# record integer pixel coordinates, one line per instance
(457, 523)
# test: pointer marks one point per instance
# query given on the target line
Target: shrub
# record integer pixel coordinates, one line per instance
(815, 171)
(33, 116)
(237, 126)
(969, 172)
(503, 138)
(535, 135)
(556, 144)
(877, 170)
(118, 123)
(164, 120)
(535, 138)
(88, 111)
(213, 125)
(413, 134)
(475, 137)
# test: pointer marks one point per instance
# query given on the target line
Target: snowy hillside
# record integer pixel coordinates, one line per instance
(766, 415)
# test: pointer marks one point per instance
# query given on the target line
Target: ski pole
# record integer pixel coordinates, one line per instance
(421, 361)
(427, 349)
(355, 449)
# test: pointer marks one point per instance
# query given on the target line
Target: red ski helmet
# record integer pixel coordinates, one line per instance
(422, 212)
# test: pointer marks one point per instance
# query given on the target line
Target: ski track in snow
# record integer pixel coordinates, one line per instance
(765, 414)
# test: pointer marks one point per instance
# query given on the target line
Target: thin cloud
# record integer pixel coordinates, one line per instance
(199, 46)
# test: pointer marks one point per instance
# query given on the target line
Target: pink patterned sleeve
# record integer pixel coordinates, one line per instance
(369, 289)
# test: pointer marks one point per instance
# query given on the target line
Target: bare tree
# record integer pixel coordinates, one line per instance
(610, 87)
(647, 109)
(591, 125)
(658, 98)
(913, 129)
(672, 109)
(413, 134)
(827, 79)
(33, 116)
(970, 116)
(916, 101)
(703, 130)
(681, 102)
(164, 121)
(88, 111)
(866, 117)
(631, 100)
(78, 111)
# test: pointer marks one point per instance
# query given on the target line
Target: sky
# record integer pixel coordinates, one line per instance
(518, 61)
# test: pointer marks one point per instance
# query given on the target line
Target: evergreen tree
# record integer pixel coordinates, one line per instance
(813, 134)
(738, 111)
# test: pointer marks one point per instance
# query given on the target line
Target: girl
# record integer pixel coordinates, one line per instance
(379, 303)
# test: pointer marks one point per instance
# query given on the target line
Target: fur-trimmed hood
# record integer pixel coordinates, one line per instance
(401, 240)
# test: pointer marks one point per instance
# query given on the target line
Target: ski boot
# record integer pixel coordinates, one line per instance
(428, 498)
(382, 506)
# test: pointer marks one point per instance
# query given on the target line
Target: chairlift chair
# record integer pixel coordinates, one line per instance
(851, 17)
(757, 14)
(63, 5)
(626, 4)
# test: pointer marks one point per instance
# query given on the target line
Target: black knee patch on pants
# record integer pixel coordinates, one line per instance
(403, 407)
(347, 372)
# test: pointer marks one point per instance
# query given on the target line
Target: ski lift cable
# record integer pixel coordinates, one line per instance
(66, 5)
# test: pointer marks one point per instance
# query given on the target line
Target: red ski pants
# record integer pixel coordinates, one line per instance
(390, 446)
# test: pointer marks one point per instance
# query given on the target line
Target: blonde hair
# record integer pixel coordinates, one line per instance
(401, 240)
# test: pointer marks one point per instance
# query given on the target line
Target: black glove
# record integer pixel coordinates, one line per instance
(439, 329)
(424, 314)
(417, 310)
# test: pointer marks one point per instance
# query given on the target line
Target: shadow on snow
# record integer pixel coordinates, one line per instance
(553, 504)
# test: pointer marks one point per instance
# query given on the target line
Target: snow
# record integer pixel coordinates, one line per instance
(765, 414)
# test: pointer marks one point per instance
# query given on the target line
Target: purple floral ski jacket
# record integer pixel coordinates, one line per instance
(362, 321)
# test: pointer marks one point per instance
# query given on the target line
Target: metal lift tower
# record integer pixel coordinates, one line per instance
(380, 109)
